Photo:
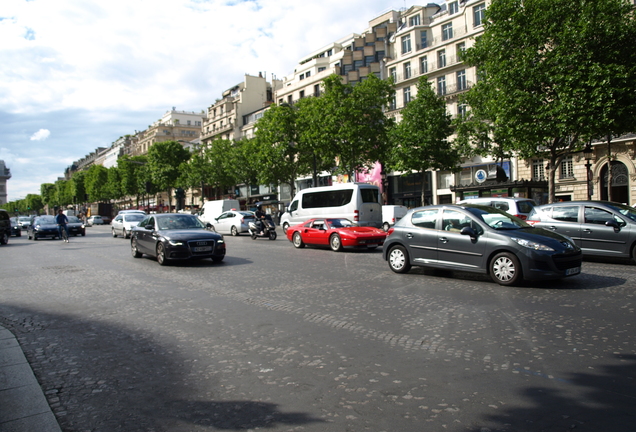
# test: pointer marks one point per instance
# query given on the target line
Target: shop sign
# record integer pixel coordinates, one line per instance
(481, 175)
(499, 193)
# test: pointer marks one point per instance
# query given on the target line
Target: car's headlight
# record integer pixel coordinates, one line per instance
(220, 241)
(175, 243)
(532, 245)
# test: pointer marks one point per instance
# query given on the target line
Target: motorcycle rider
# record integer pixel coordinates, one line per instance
(260, 219)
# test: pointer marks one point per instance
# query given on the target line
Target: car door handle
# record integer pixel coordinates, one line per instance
(409, 235)
(552, 227)
(443, 239)
(587, 231)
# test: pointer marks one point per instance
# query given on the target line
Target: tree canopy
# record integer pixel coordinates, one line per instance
(554, 74)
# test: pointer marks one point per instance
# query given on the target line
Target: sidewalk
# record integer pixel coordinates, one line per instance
(23, 407)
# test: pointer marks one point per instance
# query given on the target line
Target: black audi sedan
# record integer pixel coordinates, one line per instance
(76, 226)
(479, 239)
(175, 236)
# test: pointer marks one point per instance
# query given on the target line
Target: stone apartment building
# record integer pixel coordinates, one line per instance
(175, 125)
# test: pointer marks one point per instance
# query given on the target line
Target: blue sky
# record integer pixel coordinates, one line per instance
(79, 74)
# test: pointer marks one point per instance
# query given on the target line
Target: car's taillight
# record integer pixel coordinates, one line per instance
(522, 217)
(390, 231)
(531, 222)
(356, 215)
(393, 220)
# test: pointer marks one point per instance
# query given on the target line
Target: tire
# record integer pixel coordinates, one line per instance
(28, 236)
(335, 243)
(83, 233)
(217, 259)
(133, 249)
(19, 234)
(254, 236)
(386, 226)
(5, 238)
(35, 237)
(505, 269)
(272, 235)
(398, 259)
(114, 233)
(124, 234)
(234, 231)
(285, 227)
(161, 254)
(297, 241)
(634, 252)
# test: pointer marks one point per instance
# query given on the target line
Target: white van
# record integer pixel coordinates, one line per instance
(391, 214)
(213, 209)
(358, 202)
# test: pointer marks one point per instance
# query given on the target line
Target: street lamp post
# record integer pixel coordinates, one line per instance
(588, 154)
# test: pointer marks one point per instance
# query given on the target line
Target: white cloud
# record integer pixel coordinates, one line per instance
(104, 69)
(41, 135)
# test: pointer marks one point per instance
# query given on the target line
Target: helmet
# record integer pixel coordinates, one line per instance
(260, 207)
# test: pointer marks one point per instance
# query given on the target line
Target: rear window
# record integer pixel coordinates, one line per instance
(525, 206)
(369, 195)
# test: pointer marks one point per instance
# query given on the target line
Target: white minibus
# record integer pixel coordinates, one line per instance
(358, 202)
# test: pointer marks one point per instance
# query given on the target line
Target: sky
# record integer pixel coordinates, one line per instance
(78, 74)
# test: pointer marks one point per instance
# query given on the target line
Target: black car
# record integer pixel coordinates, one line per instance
(16, 227)
(479, 239)
(42, 227)
(75, 226)
(5, 227)
(175, 236)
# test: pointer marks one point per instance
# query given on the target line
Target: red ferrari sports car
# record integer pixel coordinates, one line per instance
(335, 233)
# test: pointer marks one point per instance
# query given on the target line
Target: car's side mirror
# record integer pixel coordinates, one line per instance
(613, 224)
(149, 227)
(469, 232)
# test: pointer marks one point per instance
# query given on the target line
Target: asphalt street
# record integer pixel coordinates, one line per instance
(280, 339)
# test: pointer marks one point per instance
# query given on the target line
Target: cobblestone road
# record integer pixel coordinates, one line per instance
(311, 340)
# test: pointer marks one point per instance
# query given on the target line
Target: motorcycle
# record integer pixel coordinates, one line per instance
(269, 229)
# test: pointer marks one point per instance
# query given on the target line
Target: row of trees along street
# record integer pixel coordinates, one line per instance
(553, 75)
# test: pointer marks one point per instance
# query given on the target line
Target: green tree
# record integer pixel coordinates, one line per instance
(349, 124)
(420, 141)
(78, 188)
(281, 155)
(554, 74)
(220, 158)
(33, 203)
(47, 192)
(95, 180)
(164, 161)
(114, 185)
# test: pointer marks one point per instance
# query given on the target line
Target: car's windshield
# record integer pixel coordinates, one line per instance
(24, 219)
(179, 222)
(497, 219)
(46, 220)
(340, 223)
(627, 211)
(73, 219)
(133, 217)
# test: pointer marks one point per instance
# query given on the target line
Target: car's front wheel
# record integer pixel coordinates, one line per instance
(285, 227)
(234, 231)
(398, 259)
(4, 239)
(335, 243)
(297, 240)
(124, 233)
(386, 226)
(505, 269)
(161, 254)
(114, 233)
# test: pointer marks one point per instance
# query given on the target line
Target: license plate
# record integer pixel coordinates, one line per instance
(573, 271)
(202, 249)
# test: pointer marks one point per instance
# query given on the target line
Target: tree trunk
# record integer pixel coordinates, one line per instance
(423, 191)
(609, 168)
(551, 168)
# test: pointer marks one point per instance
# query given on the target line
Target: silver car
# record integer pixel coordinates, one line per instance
(599, 228)
(124, 222)
(233, 222)
(479, 239)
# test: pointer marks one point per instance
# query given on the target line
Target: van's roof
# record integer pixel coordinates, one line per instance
(339, 186)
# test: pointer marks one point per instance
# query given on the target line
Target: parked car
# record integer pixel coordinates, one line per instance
(124, 223)
(479, 239)
(5, 227)
(106, 219)
(337, 233)
(599, 228)
(175, 236)
(75, 226)
(25, 221)
(42, 227)
(519, 207)
(94, 220)
(233, 222)
(16, 228)
(141, 212)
